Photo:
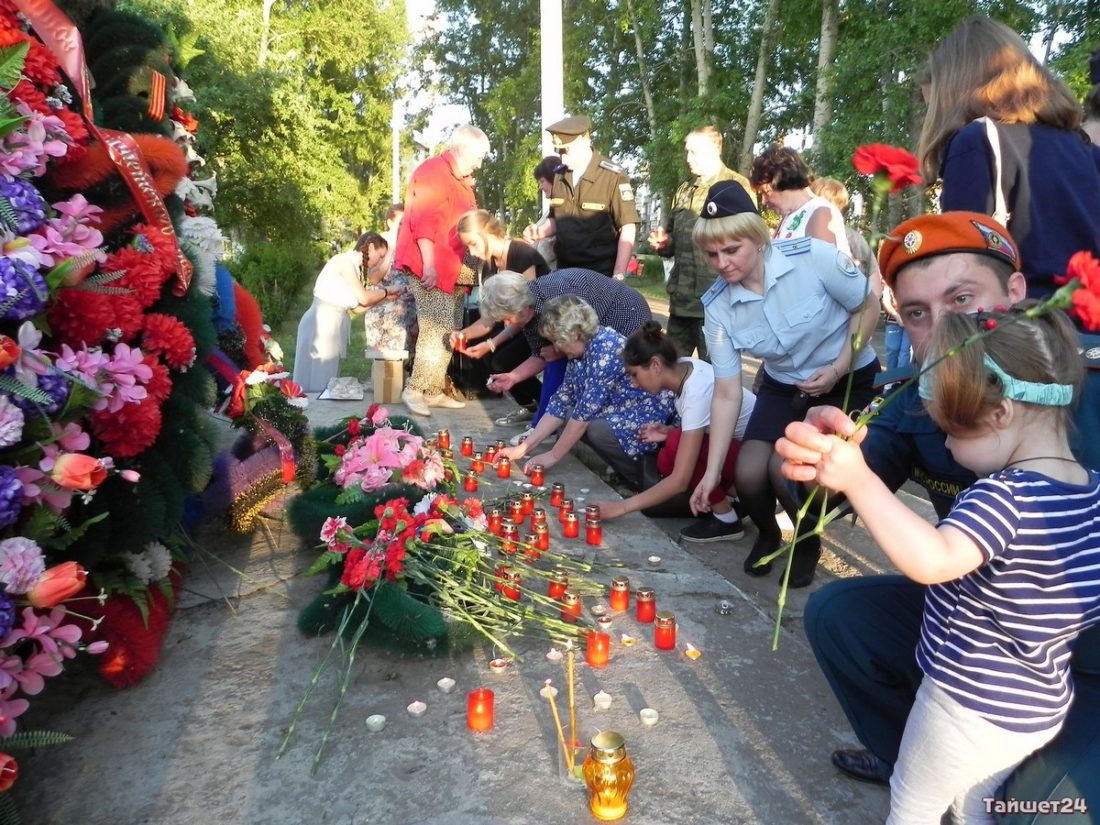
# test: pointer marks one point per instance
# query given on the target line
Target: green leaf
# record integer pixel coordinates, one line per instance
(34, 739)
(10, 385)
(9, 121)
(324, 561)
(9, 813)
(75, 534)
(12, 59)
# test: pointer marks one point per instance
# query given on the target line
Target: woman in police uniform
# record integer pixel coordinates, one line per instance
(796, 305)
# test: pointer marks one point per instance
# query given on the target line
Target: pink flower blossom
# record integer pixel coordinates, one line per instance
(21, 564)
(10, 710)
(11, 422)
(38, 489)
(133, 476)
(71, 437)
(332, 528)
(19, 248)
(52, 637)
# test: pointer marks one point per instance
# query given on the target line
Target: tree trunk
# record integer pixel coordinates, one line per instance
(823, 102)
(698, 36)
(756, 103)
(265, 33)
(647, 94)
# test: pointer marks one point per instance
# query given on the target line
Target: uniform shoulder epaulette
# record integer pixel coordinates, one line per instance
(716, 289)
(794, 246)
(611, 166)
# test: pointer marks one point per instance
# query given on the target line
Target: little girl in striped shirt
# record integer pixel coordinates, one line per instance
(1014, 569)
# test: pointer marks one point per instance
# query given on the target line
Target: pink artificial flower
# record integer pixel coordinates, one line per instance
(38, 489)
(377, 415)
(10, 710)
(77, 471)
(78, 209)
(71, 437)
(332, 528)
(133, 476)
(19, 248)
(96, 648)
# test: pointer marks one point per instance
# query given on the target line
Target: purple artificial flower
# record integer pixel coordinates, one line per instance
(11, 498)
(7, 613)
(21, 564)
(21, 207)
(55, 386)
(22, 290)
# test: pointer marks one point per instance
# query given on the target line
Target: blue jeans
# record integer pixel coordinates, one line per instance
(552, 376)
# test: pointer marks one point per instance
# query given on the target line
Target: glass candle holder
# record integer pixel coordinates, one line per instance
(498, 576)
(493, 519)
(570, 607)
(443, 438)
(531, 547)
(460, 342)
(479, 709)
(571, 527)
(564, 509)
(467, 448)
(509, 538)
(608, 775)
(527, 500)
(504, 467)
(500, 444)
(557, 494)
(664, 631)
(592, 511)
(469, 483)
(559, 582)
(542, 536)
(593, 532)
(477, 464)
(620, 593)
(538, 516)
(538, 475)
(597, 649)
(645, 605)
(515, 510)
(510, 587)
(490, 454)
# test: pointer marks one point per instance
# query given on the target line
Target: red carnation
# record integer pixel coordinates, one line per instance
(78, 317)
(887, 164)
(170, 339)
(164, 246)
(160, 385)
(1085, 300)
(141, 273)
(339, 449)
(131, 430)
(354, 427)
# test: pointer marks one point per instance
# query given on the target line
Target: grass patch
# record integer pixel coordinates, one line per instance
(285, 331)
(652, 282)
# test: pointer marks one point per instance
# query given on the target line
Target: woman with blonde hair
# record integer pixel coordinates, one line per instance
(796, 305)
(1002, 131)
(597, 400)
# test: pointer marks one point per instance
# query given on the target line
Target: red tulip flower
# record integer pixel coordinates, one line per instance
(892, 167)
(76, 471)
(57, 584)
(9, 772)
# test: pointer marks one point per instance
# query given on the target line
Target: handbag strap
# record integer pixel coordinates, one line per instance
(1000, 205)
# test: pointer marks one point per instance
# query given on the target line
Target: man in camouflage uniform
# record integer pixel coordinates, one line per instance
(691, 275)
(592, 211)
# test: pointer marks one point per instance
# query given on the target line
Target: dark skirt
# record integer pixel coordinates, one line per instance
(778, 404)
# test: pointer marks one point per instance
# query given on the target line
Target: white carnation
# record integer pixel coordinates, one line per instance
(159, 559)
(139, 567)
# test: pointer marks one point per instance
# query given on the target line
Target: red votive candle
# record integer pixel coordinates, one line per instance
(467, 448)
(538, 475)
(592, 511)
(510, 586)
(478, 463)
(498, 575)
(508, 538)
(664, 631)
(491, 454)
(493, 518)
(542, 536)
(460, 342)
(538, 516)
(565, 509)
(469, 483)
(558, 583)
(528, 502)
(571, 528)
(444, 439)
(515, 510)
(645, 604)
(570, 607)
(620, 593)
(499, 445)
(531, 547)
(593, 532)
(557, 494)
(598, 649)
(504, 467)
(479, 709)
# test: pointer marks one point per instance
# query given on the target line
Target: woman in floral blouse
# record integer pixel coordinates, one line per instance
(597, 401)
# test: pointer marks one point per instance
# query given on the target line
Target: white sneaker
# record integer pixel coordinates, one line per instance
(445, 401)
(516, 440)
(415, 402)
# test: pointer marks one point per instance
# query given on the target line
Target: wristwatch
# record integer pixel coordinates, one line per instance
(619, 276)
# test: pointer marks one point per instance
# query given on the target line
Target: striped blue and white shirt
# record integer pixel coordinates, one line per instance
(999, 639)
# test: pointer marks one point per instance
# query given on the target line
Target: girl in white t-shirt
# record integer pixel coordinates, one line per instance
(654, 366)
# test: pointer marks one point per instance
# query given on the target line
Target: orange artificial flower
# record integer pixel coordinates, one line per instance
(57, 584)
(9, 351)
(76, 471)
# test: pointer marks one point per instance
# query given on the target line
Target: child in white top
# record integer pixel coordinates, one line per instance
(1014, 569)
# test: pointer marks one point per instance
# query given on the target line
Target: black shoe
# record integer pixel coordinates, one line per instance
(763, 546)
(804, 564)
(863, 765)
(711, 528)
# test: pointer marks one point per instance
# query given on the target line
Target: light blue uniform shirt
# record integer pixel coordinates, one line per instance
(799, 324)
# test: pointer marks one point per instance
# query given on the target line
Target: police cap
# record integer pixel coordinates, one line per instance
(571, 126)
(725, 198)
